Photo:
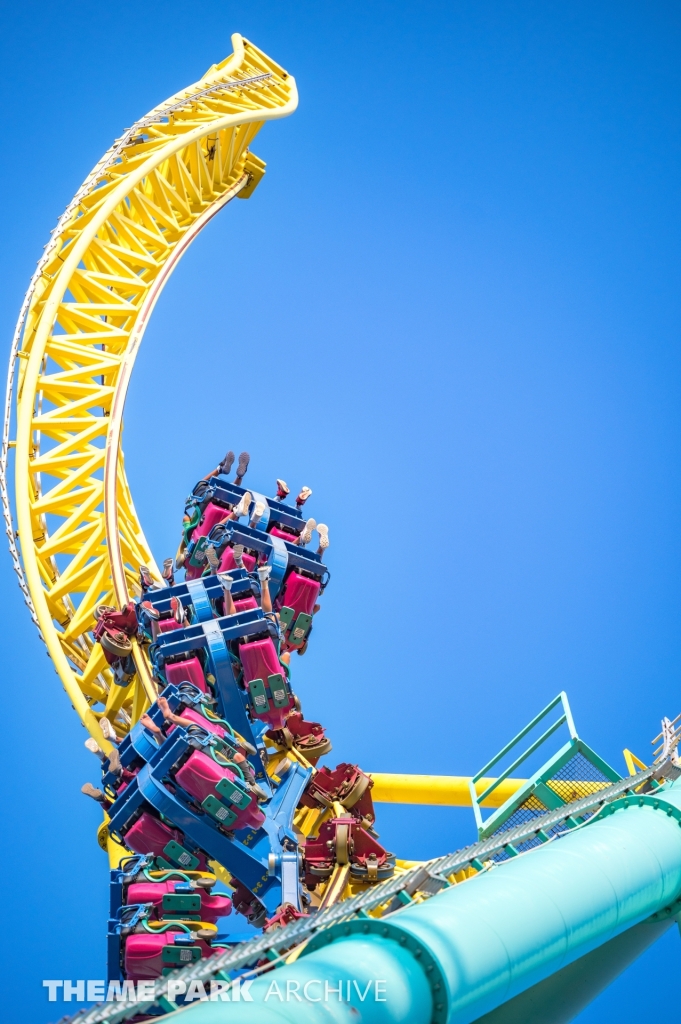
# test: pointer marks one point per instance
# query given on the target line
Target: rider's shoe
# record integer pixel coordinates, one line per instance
(241, 508)
(242, 466)
(92, 791)
(323, 532)
(306, 535)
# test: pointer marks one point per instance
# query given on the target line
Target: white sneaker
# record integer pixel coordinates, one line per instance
(306, 535)
(238, 551)
(212, 558)
(94, 747)
(108, 730)
(241, 509)
(257, 513)
(323, 532)
(264, 572)
(226, 580)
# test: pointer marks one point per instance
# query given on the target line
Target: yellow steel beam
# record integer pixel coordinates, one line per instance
(81, 327)
(453, 790)
(440, 790)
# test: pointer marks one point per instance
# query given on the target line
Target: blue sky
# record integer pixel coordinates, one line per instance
(452, 309)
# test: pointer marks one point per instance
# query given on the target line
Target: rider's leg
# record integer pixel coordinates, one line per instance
(265, 596)
(226, 582)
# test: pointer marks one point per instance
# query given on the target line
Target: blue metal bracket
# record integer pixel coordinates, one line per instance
(198, 595)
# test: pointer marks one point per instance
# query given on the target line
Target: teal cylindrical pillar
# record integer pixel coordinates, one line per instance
(462, 953)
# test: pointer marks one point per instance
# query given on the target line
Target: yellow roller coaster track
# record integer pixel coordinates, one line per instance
(75, 344)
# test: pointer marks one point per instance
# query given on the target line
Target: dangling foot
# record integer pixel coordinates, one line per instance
(146, 579)
(283, 490)
(212, 559)
(150, 611)
(167, 573)
(108, 730)
(241, 468)
(92, 791)
(305, 493)
(226, 464)
(150, 617)
(306, 535)
(238, 551)
(264, 572)
(115, 761)
(150, 724)
(165, 708)
(226, 580)
(323, 532)
(177, 609)
(242, 507)
(94, 748)
(257, 514)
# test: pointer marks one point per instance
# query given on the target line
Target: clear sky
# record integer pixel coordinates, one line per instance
(452, 309)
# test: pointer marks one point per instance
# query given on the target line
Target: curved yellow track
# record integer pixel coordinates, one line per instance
(80, 330)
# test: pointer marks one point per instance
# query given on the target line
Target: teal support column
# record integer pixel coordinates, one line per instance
(475, 946)
(562, 996)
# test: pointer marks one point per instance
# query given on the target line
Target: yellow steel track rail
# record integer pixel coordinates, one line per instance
(78, 334)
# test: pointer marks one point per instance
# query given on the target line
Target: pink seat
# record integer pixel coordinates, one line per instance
(199, 776)
(212, 907)
(165, 625)
(212, 515)
(259, 660)
(292, 538)
(188, 671)
(227, 560)
(144, 955)
(245, 604)
(300, 593)
(205, 723)
(149, 835)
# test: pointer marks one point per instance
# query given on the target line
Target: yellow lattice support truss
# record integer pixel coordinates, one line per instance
(113, 251)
